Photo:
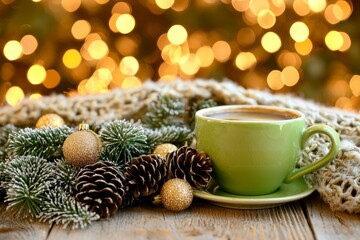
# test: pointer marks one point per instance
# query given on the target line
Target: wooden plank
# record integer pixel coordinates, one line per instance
(200, 221)
(11, 228)
(331, 225)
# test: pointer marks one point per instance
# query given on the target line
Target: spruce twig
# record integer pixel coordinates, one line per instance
(27, 179)
(65, 177)
(165, 111)
(122, 140)
(61, 208)
(168, 134)
(4, 136)
(2, 178)
(45, 142)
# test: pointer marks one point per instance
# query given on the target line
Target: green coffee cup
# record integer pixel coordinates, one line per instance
(254, 149)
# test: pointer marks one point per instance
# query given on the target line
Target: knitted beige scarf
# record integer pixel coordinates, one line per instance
(338, 183)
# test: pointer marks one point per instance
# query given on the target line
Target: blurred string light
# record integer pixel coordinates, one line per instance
(36, 74)
(103, 44)
(13, 50)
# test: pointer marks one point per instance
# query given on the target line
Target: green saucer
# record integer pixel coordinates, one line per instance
(286, 193)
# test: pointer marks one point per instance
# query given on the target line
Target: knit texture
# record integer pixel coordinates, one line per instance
(338, 183)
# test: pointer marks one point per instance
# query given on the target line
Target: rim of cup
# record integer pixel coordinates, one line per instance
(204, 113)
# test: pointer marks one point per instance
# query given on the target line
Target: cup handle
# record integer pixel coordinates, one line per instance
(335, 145)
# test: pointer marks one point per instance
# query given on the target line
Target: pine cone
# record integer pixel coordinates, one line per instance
(190, 165)
(101, 187)
(145, 175)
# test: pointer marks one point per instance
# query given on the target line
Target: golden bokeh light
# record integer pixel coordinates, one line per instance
(121, 8)
(12, 50)
(354, 84)
(333, 13)
(177, 34)
(304, 48)
(107, 62)
(266, 19)
(344, 103)
(176, 53)
(81, 88)
(166, 70)
(36, 74)
(301, 7)
(81, 72)
(206, 56)
(317, 5)
(197, 39)
(277, 7)
(210, 2)
(98, 49)
(71, 58)
(346, 9)
(274, 80)
(287, 58)
(222, 51)
(164, 4)
(102, 1)
(190, 64)
(129, 66)
(256, 6)
(334, 40)
(290, 76)
(100, 45)
(112, 22)
(125, 23)
(70, 5)
(346, 42)
(245, 60)
(28, 44)
(240, 5)
(81, 29)
(180, 6)
(271, 42)
(339, 87)
(52, 79)
(168, 78)
(14, 95)
(162, 41)
(104, 75)
(94, 85)
(99, 81)
(173, 53)
(35, 96)
(249, 18)
(131, 82)
(299, 31)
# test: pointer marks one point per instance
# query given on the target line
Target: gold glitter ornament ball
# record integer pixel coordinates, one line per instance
(49, 120)
(176, 194)
(164, 149)
(82, 147)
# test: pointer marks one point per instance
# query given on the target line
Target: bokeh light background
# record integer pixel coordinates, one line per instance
(307, 47)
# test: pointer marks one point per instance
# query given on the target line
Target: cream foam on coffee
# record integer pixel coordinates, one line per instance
(252, 115)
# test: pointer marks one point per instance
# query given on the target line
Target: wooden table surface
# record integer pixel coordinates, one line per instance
(306, 219)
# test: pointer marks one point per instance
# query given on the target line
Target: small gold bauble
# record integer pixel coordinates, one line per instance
(164, 149)
(49, 120)
(176, 194)
(82, 147)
